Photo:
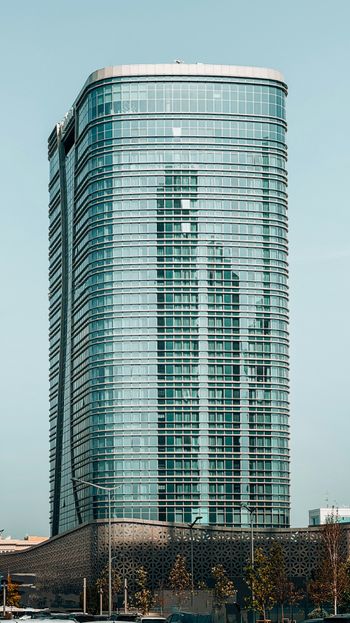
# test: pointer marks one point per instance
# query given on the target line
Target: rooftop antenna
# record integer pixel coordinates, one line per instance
(327, 499)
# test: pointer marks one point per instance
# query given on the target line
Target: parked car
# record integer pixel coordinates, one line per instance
(152, 619)
(189, 617)
(89, 618)
(82, 617)
(126, 617)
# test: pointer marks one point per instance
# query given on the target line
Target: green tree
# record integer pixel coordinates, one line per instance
(345, 598)
(13, 597)
(318, 589)
(223, 586)
(295, 595)
(179, 577)
(259, 578)
(279, 576)
(143, 596)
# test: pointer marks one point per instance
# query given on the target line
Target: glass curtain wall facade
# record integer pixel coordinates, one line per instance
(169, 297)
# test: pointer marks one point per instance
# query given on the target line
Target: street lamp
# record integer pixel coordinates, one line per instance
(251, 510)
(191, 537)
(109, 491)
(3, 588)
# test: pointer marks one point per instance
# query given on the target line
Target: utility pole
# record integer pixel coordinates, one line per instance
(251, 510)
(3, 582)
(191, 538)
(101, 600)
(4, 586)
(84, 595)
(108, 490)
(125, 595)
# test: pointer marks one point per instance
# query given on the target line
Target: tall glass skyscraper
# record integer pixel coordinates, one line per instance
(169, 297)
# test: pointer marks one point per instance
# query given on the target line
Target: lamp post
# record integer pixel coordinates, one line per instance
(109, 491)
(251, 510)
(125, 595)
(191, 538)
(3, 589)
(100, 592)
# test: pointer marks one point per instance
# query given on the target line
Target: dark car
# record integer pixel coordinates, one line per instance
(129, 617)
(189, 617)
(87, 618)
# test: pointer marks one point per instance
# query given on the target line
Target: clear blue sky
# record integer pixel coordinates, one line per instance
(47, 50)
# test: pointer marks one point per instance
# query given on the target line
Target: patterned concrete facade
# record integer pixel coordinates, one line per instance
(60, 563)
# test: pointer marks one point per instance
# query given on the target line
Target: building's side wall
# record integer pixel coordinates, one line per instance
(69, 444)
(60, 563)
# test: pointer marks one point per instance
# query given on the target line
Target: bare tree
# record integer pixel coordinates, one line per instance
(334, 569)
